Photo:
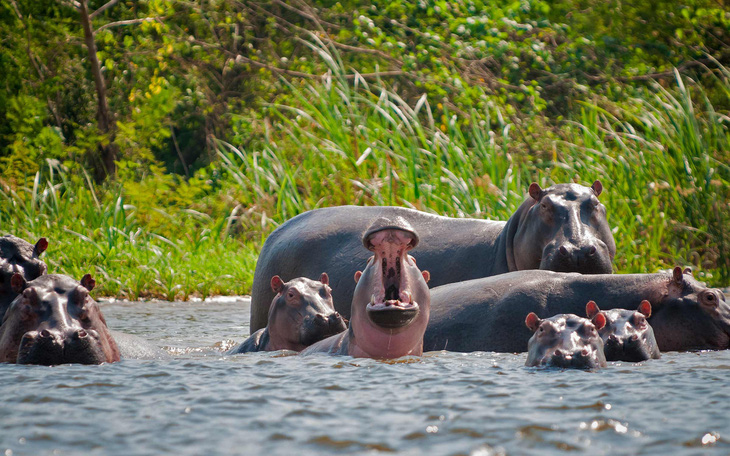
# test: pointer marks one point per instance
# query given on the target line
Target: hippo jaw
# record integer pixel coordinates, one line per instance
(321, 327)
(391, 304)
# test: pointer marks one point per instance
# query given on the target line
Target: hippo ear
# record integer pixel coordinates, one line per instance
(535, 191)
(645, 308)
(88, 282)
(597, 187)
(599, 320)
(532, 321)
(677, 275)
(40, 247)
(426, 275)
(324, 278)
(358, 274)
(18, 283)
(592, 309)
(687, 271)
(276, 284)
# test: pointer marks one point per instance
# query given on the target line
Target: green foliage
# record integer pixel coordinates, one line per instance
(230, 117)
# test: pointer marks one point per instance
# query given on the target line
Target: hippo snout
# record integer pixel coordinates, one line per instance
(52, 347)
(589, 258)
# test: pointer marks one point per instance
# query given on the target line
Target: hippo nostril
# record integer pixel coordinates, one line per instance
(591, 251)
(45, 333)
(585, 352)
(634, 338)
(563, 251)
(80, 334)
(320, 320)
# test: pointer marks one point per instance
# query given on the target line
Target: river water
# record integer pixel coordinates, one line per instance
(202, 403)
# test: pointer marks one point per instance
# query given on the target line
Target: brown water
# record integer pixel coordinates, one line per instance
(200, 402)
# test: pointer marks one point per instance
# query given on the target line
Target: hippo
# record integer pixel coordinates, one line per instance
(627, 335)
(55, 321)
(565, 340)
(18, 256)
(391, 305)
(562, 228)
(487, 314)
(302, 313)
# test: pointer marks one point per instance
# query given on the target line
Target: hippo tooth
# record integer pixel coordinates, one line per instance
(406, 297)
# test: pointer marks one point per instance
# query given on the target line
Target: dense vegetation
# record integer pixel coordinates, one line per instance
(156, 143)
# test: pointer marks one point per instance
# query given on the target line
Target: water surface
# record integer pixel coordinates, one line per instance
(201, 402)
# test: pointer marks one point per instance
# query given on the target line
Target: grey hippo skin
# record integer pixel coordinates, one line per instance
(301, 314)
(390, 306)
(488, 314)
(561, 228)
(18, 256)
(627, 335)
(55, 321)
(565, 341)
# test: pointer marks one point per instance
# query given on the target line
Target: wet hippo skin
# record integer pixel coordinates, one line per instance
(627, 335)
(565, 341)
(390, 306)
(488, 314)
(301, 314)
(562, 228)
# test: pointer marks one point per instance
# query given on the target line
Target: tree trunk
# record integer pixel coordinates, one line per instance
(108, 152)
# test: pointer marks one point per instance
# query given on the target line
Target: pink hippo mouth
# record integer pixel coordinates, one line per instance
(391, 305)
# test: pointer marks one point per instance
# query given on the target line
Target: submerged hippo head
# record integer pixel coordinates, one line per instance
(565, 340)
(391, 303)
(55, 321)
(689, 315)
(18, 257)
(563, 228)
(302, 313)
(627, 336)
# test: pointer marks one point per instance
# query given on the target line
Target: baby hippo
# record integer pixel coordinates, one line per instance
(301, 314)
(565, 340)
(17, 256)
(627, 335)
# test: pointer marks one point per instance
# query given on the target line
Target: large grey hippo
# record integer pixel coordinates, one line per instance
(488, 314)
(18, 256)
(55, 321)
(390, 307)
(302, 313)
(561, 228)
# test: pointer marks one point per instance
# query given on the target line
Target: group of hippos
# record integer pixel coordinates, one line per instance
(540, 282)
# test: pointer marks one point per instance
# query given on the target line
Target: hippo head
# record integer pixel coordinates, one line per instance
(627, 335)
(688, 315)
(565, 340)
(391, 302)
(55, 321)
(562, 228)
(302, 313)
(18, 257)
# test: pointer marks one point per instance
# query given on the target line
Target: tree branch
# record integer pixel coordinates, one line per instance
(128, 22)
(103, 8)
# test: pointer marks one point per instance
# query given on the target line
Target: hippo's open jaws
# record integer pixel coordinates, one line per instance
(391, 305)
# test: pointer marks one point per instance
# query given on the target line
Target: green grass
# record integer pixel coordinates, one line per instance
(663, 159)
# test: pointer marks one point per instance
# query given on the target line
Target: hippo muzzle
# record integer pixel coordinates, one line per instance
(53, 347)
(589, 258)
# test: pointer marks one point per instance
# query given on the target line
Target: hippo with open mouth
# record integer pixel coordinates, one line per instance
(391, 303)
(559, 228)
(18, 256)
(566, 341)
(627, 335)
(302, 313)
